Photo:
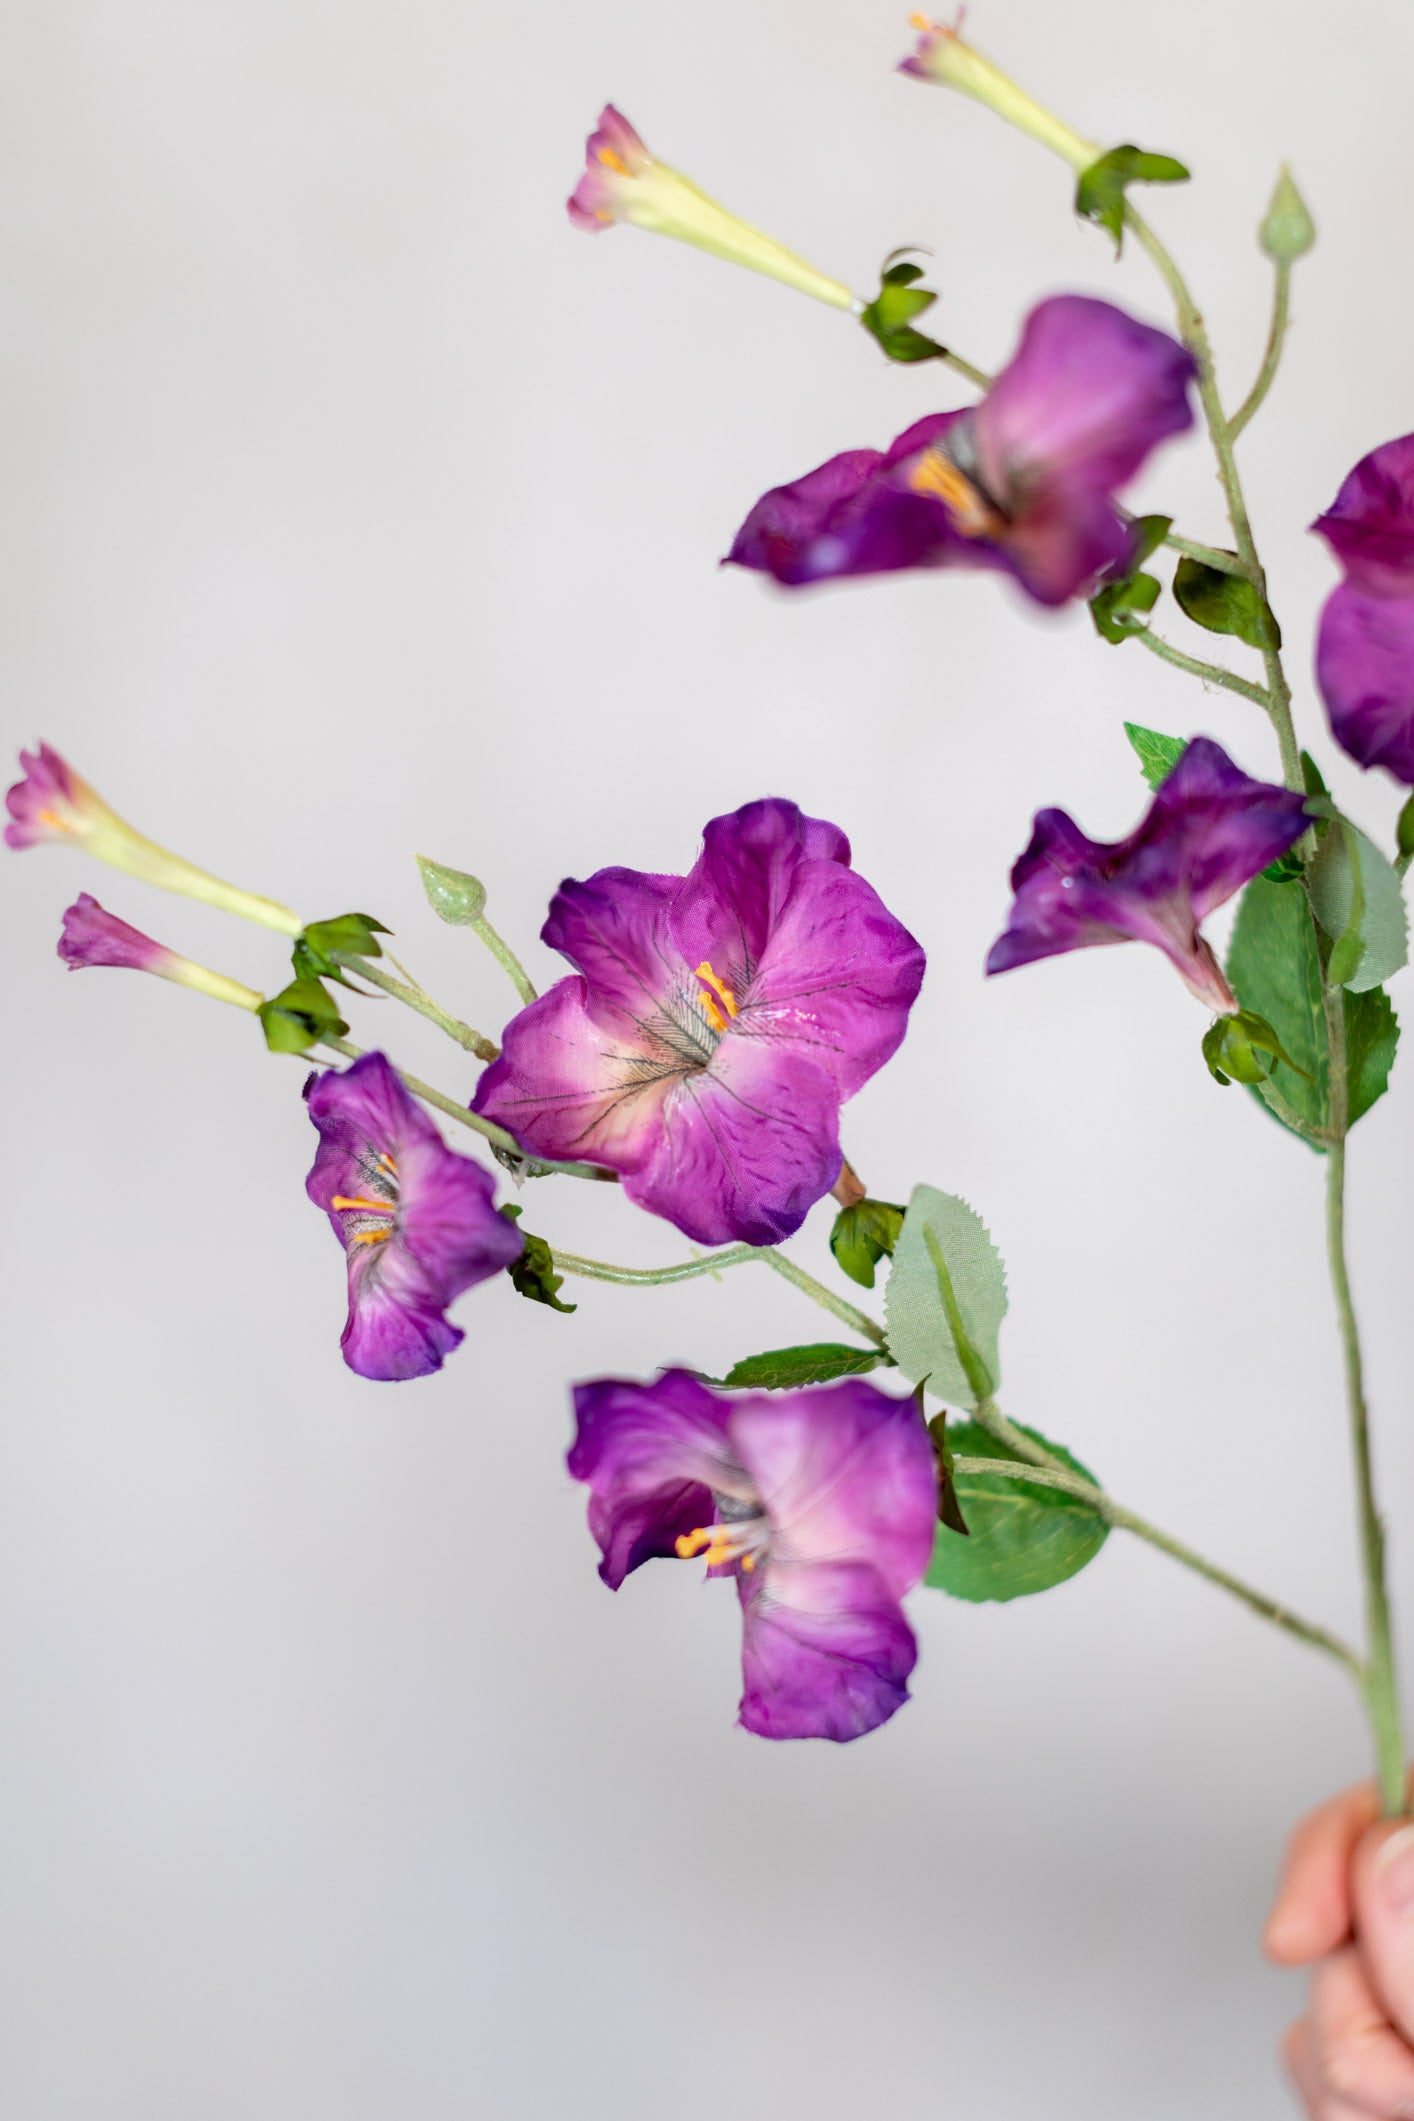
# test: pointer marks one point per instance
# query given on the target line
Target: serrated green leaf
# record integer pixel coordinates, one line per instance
(888, 317)
(453, 896)
(921, 1339)
(1117, 607)
(1023, 1538)
(533, 1272)
(1287, 231)
(1359, 901)
(299, 1016)
(1275, 972)
(1157, 755)
(1099, 194)
(1225, 603)
(863, 1235)
(787, 1369)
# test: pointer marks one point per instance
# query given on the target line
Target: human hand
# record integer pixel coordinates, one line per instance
(1345, 1904)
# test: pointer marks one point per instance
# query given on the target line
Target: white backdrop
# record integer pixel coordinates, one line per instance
(356, 505)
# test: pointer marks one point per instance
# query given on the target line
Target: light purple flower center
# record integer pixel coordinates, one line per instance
(371, 1217)
(739, 1537)
(947, 469)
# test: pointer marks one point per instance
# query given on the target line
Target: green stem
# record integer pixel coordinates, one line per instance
(1381, 1681)
(1281, 303)
(979, 376)
(1046, 1471)
(710, 1263)
(1210, 673)
(1210, 555)
(471, 1041)
(505, 957)
(1271, 1097)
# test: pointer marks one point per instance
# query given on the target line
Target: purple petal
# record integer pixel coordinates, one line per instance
(568, 1085)
(93, 936)
(591, 206)
(1208, 830)
(42, 803)
(653, 1456)
(614, 930)
(730, 901)
(422, 1225)
(1370, 524)
(1365, 670)
(826, 1651)
(845, 1472)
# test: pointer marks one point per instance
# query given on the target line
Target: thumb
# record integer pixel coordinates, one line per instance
(1384, 1917)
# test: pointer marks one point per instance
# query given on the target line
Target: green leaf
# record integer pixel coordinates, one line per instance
(1359, 901)
(889, 315)
(1099, 195)
(1288, 231)
(453, 896)
(787, 1369)
(317, 950)
(949, 1508)
(1243, 1048)
(946, 1299)
(1116, 607)
(1225, 603)
(1285, 869)
(1275, 972)
(533, 1273)
(1404, 831)
(863, 1235)
(1158, 755)
(1146, 535)
(1022, 1538)
(298, 1016)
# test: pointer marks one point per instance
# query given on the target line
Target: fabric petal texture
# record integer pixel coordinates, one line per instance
(716, 1025)
(822, 1504)
(1208, 830)
(93, 936)
(417, 1222)
(1022, 481)
(1365, 645)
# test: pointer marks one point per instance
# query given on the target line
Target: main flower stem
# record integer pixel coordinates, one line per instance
(711, 1263)
(401, 990)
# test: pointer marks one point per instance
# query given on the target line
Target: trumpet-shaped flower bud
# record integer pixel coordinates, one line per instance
(822, 1504)
(52, 804)
(1208, 830)
(623, 182)
(93, 936)
(418, 1223)
(1365, 646)
(718, 1023)
(1021, 481)
(942, 57)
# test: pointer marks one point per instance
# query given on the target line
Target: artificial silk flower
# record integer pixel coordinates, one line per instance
(941, 56)
(93, 936)
(1021, 481)
(1207, 831)
(718, 1022)
(623, 182)
(51, 804)
(1365, 645)
(417, 1222)
(823, 1506)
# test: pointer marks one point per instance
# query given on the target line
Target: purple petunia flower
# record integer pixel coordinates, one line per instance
(91, 935)
(1365, 647)
(1021, 481)
(822, 1504)
(1208, 830)
(418, 1222)
(719, 1021)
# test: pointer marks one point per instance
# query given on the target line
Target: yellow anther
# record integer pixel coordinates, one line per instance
(372, 1237)
(936, 474)
(612, 161)
(53, 819)
(689, 1543)
(919, 22)
(356, 1200)
(748, 1563)
(721, 998)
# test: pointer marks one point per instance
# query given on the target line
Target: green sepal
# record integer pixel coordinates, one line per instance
(1023, 1538)
(1404, 831)
(787, 1369)
(1157, 755)
(1275, 971)
(863, 1235)
(949, 1508)
(454, 897)
(1244, 1049)
(1287, 231)
(299, 1016)
(533, 1273)
(946, 1299)
(1225, 603)
(318, 948)
(889, 316)
(1285, 869)
(1099, 195)
(1112, 607)
(1358, 899)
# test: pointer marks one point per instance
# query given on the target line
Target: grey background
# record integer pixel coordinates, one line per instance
(355, 505)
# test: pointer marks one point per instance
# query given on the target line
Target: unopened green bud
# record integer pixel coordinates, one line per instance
(453, 896)
(1288, 231)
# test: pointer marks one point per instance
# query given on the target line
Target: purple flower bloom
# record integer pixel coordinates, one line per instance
(50, 802)
(91, 935)
(1365, 647)
(418, 1222)
(719, 1022)
(822, 1504)
(1021, 481)
(1208, 829)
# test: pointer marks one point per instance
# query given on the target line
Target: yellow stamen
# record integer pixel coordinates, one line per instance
(356, 1200)
(372, 1237)
(919, 22)
(53, 820)
(748, 1563)
(721, 994)
(612, 161)
(718, 1545)
(936, 474)
(689, 1543)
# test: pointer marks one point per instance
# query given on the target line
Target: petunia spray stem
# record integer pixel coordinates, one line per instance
(505, 957)
(1276, 338)
(711, 1263)
(1210, 673)
(471, 1041)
